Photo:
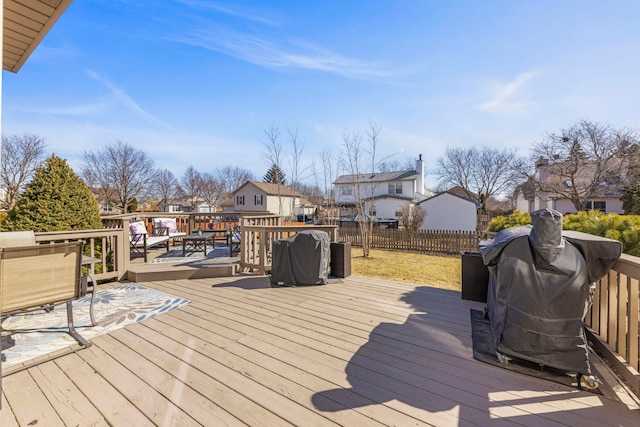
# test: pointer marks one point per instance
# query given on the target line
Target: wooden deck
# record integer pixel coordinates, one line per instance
(363, 352)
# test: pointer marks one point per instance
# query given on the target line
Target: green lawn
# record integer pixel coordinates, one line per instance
(440, 271)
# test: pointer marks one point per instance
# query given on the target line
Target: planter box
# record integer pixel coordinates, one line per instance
(341, 259)
(475, 277)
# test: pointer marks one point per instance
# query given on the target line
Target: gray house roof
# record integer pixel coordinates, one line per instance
(377, 177)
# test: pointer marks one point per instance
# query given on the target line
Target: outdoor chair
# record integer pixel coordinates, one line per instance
(234, 241)
(32, 277)
(139, 241)
(167, 227)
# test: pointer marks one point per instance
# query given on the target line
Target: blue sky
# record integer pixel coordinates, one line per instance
(196, 83)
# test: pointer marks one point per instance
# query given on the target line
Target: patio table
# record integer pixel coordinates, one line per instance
(197, 241)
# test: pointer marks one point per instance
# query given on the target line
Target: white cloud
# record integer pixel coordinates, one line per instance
(125, 100)
(505, 97)
(278, 54)
(235, 10)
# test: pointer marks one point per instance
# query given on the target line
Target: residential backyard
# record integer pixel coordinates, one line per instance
(439, 271)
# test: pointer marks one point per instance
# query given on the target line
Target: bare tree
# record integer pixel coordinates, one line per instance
(211, 190)
(274, 155)
(360, 163)
(121, 172)
(393, 165)
(412, 217)
(575, 162)
(21, 156)
(330, 171)
(167, 189)
(481, 172)
(191, 184)
(232, 177)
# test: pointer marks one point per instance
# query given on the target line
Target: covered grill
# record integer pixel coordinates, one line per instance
(540, 287)
(302, 259)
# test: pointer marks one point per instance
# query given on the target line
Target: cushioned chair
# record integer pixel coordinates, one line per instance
(167, 227)
(139, 241)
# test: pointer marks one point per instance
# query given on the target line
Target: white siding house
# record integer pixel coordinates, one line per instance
(446, 211)
(384, 193)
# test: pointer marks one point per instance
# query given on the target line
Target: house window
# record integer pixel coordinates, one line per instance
(347, 190)
(175, 208)
(596, 206)
(239, 200)
(398, 212)
(395, 188)
(257, 199)
(106, 208)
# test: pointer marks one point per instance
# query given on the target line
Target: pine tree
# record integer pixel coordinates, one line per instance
(56, 200)
(274, 175)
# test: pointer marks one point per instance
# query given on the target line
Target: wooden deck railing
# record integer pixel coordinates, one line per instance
(614, 319)
(613, 322)
(257, 240)
(109, 245)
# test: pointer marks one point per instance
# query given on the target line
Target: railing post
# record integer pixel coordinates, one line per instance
(263, 251)
(123, 257)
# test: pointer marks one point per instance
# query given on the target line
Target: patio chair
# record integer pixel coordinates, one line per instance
(139, 241)
(167, 227)
(234, 241)
(32, 277)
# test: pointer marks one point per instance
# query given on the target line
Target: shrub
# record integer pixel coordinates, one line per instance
(624, 228)
(55, 200)
(516, 218)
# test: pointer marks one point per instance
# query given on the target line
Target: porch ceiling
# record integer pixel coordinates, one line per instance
(26, 22)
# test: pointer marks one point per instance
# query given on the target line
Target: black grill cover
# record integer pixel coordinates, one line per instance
(540, 287)
(302, 259)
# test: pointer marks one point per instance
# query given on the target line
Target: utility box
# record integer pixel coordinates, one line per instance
(340, 259)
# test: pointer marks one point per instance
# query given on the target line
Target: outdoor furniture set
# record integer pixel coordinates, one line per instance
(165, 230)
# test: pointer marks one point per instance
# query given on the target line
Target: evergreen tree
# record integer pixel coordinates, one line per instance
(55, 200)
(274, 175)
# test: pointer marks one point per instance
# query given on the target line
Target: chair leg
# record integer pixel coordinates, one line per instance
(72, 329)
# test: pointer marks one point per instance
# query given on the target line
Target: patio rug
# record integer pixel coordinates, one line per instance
(485, 351)
(218, 251)
(29, 336)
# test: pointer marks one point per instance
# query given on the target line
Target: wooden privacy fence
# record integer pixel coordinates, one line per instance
(442, 241)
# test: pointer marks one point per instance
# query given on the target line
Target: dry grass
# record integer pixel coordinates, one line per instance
(440, 271)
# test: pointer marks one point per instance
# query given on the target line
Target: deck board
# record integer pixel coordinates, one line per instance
(363, 352)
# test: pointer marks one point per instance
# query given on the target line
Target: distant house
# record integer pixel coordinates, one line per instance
(449, 211)
(384, 193)
(606, 197)
(265, 197)
(183, 205)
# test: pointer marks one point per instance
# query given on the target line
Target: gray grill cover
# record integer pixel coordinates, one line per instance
(540, 289)
(302, 259)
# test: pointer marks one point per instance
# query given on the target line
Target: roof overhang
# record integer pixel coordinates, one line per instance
(26, 22)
